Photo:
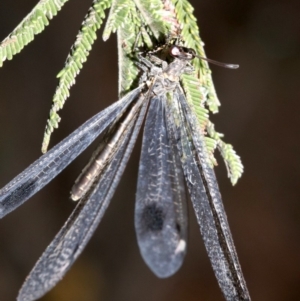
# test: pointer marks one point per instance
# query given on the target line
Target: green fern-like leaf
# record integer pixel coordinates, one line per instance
(211, 145)
(133, 33)
(200, 92)
(74, 63)
(232, 161)
(195, 98)
(190, 34)
(128, 71)
(118, 14)
(33, 24)
(152, 13)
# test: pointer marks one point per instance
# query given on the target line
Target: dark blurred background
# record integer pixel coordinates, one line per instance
(259, 116)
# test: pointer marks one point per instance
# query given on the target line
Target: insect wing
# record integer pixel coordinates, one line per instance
(207, 202)
(48, 166)
(75, 234)
(160, 210)
(103, 154)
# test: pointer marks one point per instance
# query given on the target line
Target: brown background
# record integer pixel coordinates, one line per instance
(259, 115)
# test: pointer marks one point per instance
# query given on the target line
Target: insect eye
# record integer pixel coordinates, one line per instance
(175, 51)
(182, 53)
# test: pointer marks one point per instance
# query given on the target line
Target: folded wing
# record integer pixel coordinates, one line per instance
(43, 170)
(75, 234)
(160, 210)
(206, 199)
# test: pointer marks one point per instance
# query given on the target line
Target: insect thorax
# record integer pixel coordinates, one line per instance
(166, 77)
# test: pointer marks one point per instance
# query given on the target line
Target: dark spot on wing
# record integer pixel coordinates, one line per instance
(17, 197)
(153, 217)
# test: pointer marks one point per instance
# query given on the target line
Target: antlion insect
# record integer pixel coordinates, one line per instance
(173, 157)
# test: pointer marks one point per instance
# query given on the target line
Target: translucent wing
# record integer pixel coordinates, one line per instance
(207, 202)
(42, 171)
(75, 234)
(160, 210)
(103, 154)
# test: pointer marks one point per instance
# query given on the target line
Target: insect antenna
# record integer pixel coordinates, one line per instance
(224, 65)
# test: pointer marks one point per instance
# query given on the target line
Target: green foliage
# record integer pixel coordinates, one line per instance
(33, 24)
(119, 13)
(200, 92)
(128, 71)
(152, 14)
(195, 98)
(232, 161)
(191, 37)
(125, 20)
(74, 63)
(149, 20)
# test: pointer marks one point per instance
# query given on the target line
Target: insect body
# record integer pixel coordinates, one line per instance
(173, 157)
